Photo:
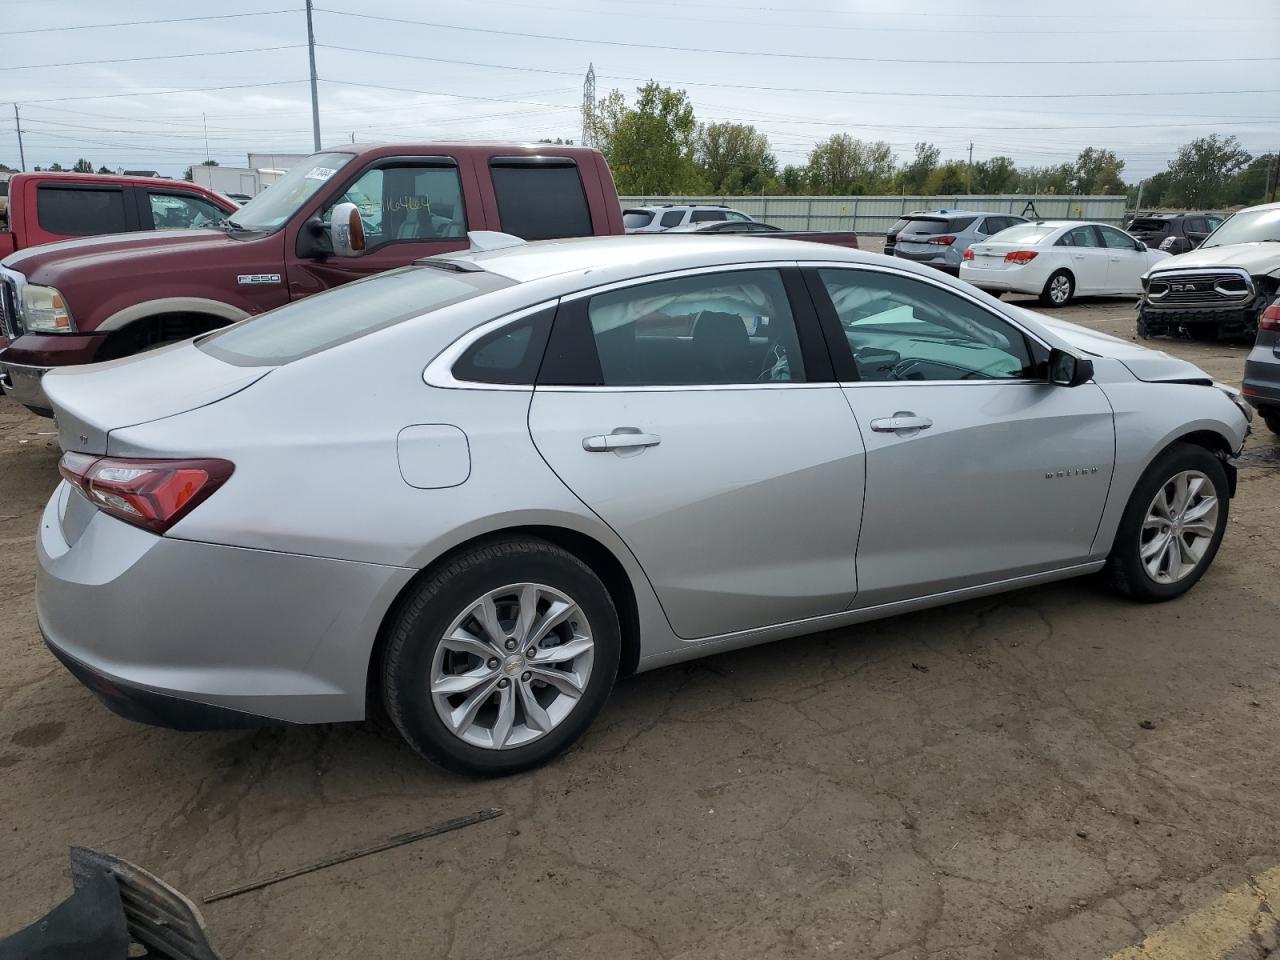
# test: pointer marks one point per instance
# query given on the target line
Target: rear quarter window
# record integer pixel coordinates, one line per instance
(540, 201)
(339, 316)
(1149, 225)
(634, 219)
(76, 212)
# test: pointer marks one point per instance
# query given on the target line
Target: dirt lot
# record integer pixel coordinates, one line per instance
(963, 783)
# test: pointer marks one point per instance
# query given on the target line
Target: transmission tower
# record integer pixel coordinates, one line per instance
(588, 105)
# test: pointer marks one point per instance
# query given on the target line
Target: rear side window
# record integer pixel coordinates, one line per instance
(959, 224)
(540, 201)
(326, 320)
(510, 355)
(80, 213)
(672, 218)
(634, 219)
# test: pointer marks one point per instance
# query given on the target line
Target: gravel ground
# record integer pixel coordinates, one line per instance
(967, 782)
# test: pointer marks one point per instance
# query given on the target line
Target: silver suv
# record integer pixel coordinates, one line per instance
(939, 238)
(668, 215)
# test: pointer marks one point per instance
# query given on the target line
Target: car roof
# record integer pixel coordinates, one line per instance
(601, 260)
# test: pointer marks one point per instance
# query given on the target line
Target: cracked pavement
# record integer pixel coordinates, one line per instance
(818, 795)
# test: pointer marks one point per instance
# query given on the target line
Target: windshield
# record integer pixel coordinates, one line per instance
(271, 208)
(1249, 226)
(326, 320)
(1023, 233)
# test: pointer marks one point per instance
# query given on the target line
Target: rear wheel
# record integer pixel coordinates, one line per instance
(1271, 417)
(1058, 289)
(502, 659)
(1172, 526)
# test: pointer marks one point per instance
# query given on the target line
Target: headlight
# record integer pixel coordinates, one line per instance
(44, 310)
(1238, 399)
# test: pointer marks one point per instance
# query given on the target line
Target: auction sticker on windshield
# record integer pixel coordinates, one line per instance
(320, 173)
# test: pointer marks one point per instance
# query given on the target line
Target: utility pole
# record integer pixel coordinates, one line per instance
(588, 105)
(205, 121)
(22, 156)
(1137, 207)
(315, 97)
(968, 179)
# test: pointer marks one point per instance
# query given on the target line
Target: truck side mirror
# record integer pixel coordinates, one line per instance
(346, 231)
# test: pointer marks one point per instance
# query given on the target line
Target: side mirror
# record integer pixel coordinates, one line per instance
(346, 231)
(1068, 370)
(1142, 246)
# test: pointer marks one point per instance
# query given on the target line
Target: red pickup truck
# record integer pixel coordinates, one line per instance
(47, 207)
(106, 297)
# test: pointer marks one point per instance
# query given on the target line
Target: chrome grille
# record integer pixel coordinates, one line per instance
(9, 321)
(1221, 288)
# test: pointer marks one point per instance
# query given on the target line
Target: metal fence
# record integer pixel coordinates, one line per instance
(871, 215)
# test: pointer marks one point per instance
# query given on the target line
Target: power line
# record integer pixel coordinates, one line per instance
(139, 23)
(163, 56)
(161, 93)
(787, 56)
(772, 89)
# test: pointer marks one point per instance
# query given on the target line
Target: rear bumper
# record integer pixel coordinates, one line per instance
(197, 635)
(1261, 386)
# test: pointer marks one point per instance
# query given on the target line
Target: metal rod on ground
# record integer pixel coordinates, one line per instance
(457, 823)
(22, 156)
(315, 97)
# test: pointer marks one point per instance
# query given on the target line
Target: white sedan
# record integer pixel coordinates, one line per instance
(1059, 260)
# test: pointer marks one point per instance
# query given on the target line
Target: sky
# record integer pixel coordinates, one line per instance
(1037, 81)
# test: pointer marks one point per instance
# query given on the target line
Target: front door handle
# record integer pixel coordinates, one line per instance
(903, 423)
(624, 438)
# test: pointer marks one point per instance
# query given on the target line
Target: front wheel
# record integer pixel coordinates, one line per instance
(1172, 526)
(501, 660)
(1058, 290)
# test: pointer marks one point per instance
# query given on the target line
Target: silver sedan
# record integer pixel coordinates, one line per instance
(474, 491)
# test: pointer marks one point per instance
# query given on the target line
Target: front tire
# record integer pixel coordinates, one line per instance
(1172, 526)
(1058, 289)
(500, 661)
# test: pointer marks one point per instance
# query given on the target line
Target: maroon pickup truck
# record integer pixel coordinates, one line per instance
(106, 297)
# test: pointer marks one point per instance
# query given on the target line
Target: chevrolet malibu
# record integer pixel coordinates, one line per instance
(471, 492)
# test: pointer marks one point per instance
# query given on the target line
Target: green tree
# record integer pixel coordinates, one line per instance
(1097, 171)
(1045, 180)
(1249, 186)
(83, 166)
(649, 146)
(792, 178)
(1198, 175)
(55, 168)
(996, 175)
(842, 165)
(916, 173)
(951, 177)
(734, 158)
(103, 170)
(557, 140)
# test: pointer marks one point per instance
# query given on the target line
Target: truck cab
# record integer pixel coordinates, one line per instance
(106, 297)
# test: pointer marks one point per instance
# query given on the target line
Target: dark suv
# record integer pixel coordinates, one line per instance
(1262, 368)
(1173, 232)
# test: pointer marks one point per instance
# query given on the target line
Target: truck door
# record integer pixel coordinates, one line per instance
(412, 207)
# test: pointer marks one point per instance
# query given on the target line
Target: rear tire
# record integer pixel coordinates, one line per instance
(1058, 289)
(1160, 552)
(1271, 417)
(470, 698)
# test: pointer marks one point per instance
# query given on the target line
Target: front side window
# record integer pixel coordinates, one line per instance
(169, 211)
(900, 328)
(540, 201)
(346, 313)
(734, 327)
(411, 202)
(270, 209)
(74, 212)
(1116, 239)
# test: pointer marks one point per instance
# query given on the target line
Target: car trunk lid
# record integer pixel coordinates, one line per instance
(89, 402)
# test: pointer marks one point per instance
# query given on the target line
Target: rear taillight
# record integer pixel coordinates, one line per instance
(1270, 319)
(968, 254)
(945, 240)
(152, 494)
(1020, 256)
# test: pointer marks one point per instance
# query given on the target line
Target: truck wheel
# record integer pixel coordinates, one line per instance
(500, 661)
(1171, 527)
(1058, 289)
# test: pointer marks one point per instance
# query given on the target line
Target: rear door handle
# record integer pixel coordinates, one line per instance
(621, 439)
(903, 421)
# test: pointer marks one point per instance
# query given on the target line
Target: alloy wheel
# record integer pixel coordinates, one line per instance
(1179, 526)
(1060, 289)
(512, 666)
